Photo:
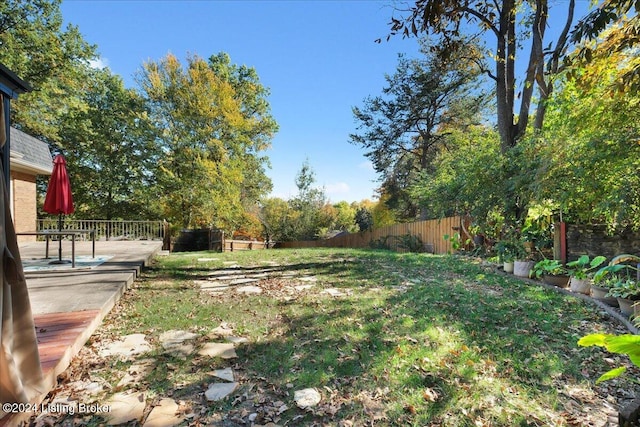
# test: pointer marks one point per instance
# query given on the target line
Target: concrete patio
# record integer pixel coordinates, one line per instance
(69, 304)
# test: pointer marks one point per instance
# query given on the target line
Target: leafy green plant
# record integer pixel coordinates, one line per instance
(620, 344)
(380, 243)
(509, 250)
(628, 288)
(410, 242)
(583, 266)
(538, 232)
(549, 267)
(606, 281)
(455, 239)
(618, 269)
(617, 275)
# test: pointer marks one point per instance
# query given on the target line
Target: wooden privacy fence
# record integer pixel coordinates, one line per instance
(113, 229)
(431, 232)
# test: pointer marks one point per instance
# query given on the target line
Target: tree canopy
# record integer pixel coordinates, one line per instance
(592, 142)
(403, 130)
(110, 151)
(597, 24)
(508, 21)
(211, 121)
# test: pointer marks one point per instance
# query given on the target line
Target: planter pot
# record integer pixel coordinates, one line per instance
(522, 268)
(580, 286)
(561, 281)
(627, 306)
(508, 267)
(598, 293)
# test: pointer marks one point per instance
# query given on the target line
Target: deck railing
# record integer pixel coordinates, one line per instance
(112, 229)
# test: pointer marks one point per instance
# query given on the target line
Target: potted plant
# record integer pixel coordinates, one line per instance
(624, 278)
(552, 272)
(581, 271)
(627, 293)
(600, 287)
(522, 265)
(507, 250)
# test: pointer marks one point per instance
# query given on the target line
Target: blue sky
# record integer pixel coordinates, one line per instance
(319, 59)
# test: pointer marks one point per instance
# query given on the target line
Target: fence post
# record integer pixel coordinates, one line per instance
(166, 236)
(560, 241)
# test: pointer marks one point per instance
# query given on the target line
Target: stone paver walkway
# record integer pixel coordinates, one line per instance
(131, 403)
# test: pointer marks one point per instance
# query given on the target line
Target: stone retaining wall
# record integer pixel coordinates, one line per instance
(595, 240)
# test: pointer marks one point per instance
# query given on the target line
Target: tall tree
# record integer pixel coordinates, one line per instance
(110, 150)
(307, 205)
(276, 218)
(364, 218)
(254, 106)
(508, 21)
(210, 137)
(467, 179)
(51, 59)
(402, 130)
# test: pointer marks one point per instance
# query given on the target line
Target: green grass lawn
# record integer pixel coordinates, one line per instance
(416, 339)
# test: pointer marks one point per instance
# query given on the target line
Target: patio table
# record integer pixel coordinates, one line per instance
(61, 233)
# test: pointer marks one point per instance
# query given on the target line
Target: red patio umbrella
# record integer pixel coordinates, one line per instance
(59, 199)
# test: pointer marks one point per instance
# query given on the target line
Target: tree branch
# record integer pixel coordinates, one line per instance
(490, 25)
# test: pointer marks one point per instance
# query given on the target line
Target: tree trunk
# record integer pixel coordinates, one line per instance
(546, 87)
(505, 74)
(535, 69)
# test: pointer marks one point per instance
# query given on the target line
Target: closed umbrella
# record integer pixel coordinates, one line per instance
(59, 199)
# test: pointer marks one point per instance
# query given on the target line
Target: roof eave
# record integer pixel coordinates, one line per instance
(11, 84)
(19, 165)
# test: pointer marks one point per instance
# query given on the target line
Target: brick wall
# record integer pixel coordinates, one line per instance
(23, 190)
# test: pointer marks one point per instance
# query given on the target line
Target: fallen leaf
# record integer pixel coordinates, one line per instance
(430, 395)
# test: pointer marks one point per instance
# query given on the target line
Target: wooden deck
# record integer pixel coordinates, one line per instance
(69, 306)
(60, 337)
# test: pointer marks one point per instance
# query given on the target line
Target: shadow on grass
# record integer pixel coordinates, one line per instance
(418, 340)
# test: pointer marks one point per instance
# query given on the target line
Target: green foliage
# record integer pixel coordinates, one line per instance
(276, 217)
(621, 344)
(382, 214)
(621, 276)
(86, 113)
(110, 153)
(547, 266)
(210, 134)
(50, 58)
(510, 250)
(628, 288)
(410, 242)
(583, 267)
(456, 241)
(467, 178)
(403, 130)
(590, 150)
(381, 243)
(342, 216)
(624, 36)
(364, 219)
(307, 205)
